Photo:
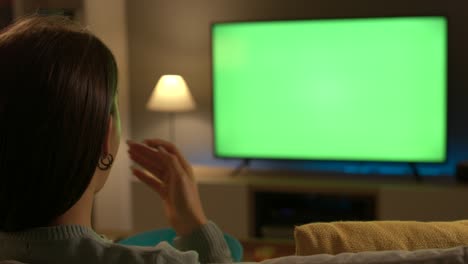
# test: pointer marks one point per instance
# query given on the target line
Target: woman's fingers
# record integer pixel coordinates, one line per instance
(174, 162)
(156, 160)
(151, 159)
(145, 150)
(150, 180)
(172, 149)
(147, 163)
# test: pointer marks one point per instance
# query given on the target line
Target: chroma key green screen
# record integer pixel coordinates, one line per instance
(367, 89)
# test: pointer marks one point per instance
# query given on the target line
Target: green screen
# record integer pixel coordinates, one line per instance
(369, 89)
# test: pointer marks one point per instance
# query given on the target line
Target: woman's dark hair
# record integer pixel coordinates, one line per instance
(57, 89)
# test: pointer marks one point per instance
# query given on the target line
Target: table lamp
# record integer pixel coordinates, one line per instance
(171, 94)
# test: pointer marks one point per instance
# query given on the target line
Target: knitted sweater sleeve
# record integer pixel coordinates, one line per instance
(208, 241)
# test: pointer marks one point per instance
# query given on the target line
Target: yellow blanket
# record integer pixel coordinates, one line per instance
(338, 237)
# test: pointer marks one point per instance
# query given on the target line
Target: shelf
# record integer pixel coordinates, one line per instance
(230, 200)
(299, 180)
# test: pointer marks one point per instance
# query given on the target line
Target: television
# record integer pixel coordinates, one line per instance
(350, 89)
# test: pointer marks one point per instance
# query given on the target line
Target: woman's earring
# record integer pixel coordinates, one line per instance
(105, 162)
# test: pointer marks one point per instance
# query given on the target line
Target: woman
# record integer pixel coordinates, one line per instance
(59, 135)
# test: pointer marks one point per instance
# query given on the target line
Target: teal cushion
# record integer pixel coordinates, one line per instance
(154, 237)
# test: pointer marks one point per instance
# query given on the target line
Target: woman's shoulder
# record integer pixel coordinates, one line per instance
(77, 244)
(109, 252)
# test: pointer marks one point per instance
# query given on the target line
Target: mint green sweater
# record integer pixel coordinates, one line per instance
(77, 244)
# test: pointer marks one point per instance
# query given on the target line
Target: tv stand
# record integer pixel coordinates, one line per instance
(242, 167)
(254, 202)
(415, 172)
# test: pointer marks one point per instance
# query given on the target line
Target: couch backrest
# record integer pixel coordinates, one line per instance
(340, 237)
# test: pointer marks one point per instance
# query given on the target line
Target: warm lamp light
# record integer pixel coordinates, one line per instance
(171, 94)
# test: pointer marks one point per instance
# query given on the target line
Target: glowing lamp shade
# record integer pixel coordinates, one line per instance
(171, 94)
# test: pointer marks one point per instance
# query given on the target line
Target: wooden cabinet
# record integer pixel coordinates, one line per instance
(230, 200)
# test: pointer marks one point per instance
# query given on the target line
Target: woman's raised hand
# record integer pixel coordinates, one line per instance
(168, 173)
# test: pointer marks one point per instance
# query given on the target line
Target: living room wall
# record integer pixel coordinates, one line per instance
(173, 36)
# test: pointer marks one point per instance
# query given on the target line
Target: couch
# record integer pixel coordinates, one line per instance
(385, 242)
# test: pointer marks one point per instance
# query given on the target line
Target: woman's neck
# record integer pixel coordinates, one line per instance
(79, 213)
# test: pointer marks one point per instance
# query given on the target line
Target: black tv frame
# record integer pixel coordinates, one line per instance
(412, 164)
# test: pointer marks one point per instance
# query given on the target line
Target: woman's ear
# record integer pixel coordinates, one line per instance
(106, 159)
